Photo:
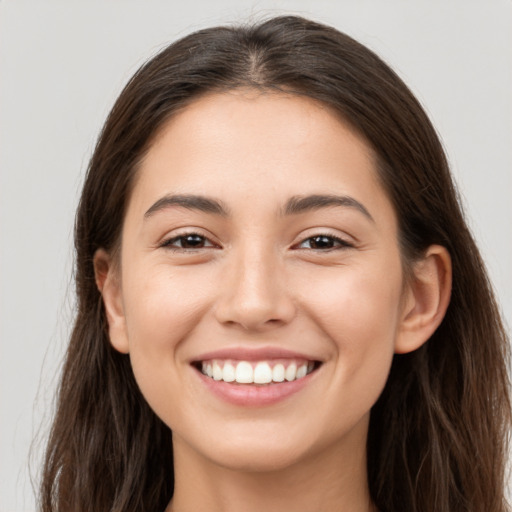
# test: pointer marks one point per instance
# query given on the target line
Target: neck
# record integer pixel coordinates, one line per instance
(330, 481)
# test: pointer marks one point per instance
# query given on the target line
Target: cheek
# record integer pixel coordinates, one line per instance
(162, 306)
(358, 309)
(352, 301)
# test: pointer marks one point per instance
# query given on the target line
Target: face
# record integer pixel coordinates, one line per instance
(258, 245)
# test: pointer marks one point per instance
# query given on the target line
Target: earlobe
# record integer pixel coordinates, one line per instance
(426, 299)
(108, 283)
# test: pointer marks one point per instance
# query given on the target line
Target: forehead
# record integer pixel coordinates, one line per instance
(280, 120)
(253, 146)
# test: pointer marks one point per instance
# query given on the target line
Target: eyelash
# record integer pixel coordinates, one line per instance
(336, 242)
(181, 238)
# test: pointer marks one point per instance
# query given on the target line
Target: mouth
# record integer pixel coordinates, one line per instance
(256, 377)
(259, 373)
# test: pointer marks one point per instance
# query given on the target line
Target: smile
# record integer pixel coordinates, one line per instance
(256, 372)
(256, 377)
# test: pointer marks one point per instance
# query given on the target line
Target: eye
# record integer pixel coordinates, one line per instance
(323, 243)
(188, 241)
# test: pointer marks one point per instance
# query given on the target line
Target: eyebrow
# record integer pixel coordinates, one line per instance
(302, 204)
(294, 206)
(189, 201)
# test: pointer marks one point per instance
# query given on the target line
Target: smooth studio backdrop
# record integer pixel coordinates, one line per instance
(62, 64)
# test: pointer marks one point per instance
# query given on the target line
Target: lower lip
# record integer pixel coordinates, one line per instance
(254, 395)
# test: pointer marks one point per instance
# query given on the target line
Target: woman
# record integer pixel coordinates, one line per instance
(272, 264)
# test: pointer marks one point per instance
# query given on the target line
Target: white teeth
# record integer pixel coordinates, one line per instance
(278, 373)
(302, 371)
(228, 374)
(217, 371)
(244, 373)
(262, 374)
(291, 372)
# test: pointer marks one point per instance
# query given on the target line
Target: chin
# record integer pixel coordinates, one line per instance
(264, 451)
(259, 458)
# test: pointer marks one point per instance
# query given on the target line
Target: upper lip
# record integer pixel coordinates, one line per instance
(253, 354)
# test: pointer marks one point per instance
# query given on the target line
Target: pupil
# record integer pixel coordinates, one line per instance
(321, 242)
(193, 241)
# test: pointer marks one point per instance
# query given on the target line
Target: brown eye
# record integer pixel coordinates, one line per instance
(323, 242)
(188, 241)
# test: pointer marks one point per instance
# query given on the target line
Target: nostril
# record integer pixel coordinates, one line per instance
(255, 302)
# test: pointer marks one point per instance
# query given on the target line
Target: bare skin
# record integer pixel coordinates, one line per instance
(257, 223)
(303, 486)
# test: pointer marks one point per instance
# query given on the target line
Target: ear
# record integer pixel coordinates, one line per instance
(109, 285)
(425, 299)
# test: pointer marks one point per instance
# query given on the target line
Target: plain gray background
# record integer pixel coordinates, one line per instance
(62, 63)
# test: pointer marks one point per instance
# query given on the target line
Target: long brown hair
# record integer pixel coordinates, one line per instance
(438, 433)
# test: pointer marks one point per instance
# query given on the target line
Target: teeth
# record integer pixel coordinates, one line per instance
(278, 373)
(302, 371)
(244, 373)
(228, 374)
(261, 372)
(291, 372)
(217, 371)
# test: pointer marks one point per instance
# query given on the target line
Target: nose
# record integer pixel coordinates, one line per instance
(254, 295)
